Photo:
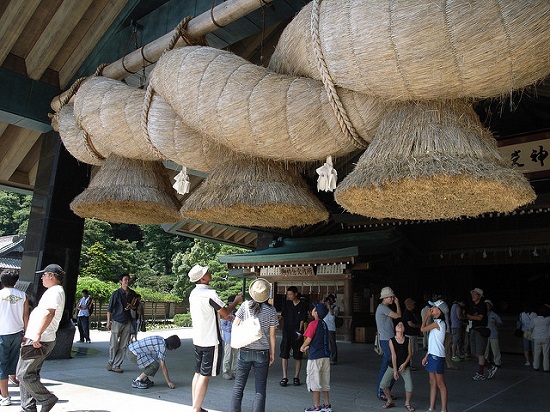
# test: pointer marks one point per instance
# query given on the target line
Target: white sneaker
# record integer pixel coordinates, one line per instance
(478, 377)
(5, 401)
(527, 363)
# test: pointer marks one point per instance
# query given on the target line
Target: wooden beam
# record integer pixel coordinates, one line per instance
(60, 28)
(224, 13)
(105, 12)
(12, 23)
(19, 147)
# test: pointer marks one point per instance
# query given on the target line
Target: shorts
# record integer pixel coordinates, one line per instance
(388, 376)
(10, 345)
(208, 360)
(477, 343)
(149, 370)
(290, 342)
(318, 375)
(435, 364)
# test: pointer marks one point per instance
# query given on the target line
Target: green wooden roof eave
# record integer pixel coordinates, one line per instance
(292, 258)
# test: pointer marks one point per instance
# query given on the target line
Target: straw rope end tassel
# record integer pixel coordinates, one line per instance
(328, 176)
(182, 184)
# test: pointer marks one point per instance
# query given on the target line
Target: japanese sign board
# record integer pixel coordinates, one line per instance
(334, 269)
(287, 271)
(528, 154)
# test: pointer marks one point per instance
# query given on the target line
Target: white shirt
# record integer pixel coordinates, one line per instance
(12, 307)
(436, 339)
(53, 298)
(204, 304)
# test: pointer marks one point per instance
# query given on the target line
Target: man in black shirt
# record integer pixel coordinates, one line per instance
(293, 316)
(477, 315)
(119, 321)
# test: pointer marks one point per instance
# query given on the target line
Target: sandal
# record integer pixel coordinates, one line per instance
(388, 405)
(409, 408)
(296, 382)
(283, 382)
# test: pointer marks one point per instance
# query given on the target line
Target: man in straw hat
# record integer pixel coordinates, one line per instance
(41, 333)
(204, 305)
(384, 324)
(479, 333)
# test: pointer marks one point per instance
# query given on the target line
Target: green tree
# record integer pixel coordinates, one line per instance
(206, 254)
(98, 263)
(161, 247)
(14, 213)
(99, 290)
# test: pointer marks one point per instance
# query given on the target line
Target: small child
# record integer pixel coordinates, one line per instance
(401, 353)
(493, 347)
(229, 353)
(434, 361)
(318, 363)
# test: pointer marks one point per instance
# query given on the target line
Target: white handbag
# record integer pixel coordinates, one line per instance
(246, 331)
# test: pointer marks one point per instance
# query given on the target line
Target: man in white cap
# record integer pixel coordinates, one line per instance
(41, 333)
(384, 324)
(204, 305)
(477, 315)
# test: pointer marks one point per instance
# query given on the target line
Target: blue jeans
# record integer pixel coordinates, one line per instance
(259, 360)
(386, 357)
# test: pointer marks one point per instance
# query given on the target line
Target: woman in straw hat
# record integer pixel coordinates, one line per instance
(259, 354)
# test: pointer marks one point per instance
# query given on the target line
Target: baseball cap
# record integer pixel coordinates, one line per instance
(52, 268)
(440, 304)
(478, 291)
(321, 309)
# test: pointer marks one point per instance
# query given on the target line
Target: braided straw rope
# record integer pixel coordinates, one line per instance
(339, 110)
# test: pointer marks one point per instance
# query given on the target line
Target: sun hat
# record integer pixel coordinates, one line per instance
(478, 291)
(197, 272)
(259, 290)
(441, 305)
(321, 309)
(386, 292)
(488, 302)
(52, 268)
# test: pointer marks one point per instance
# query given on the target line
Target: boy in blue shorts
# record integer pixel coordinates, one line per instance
(318, 364)
(434, 361)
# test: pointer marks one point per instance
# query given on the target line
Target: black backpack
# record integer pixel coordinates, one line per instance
(91, 308)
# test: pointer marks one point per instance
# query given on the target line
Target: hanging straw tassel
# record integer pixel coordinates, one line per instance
(129, 191)
(244, 191)
(432, 160)
(421, 49)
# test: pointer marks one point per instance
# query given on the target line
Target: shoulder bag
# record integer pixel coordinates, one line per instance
(377, 347)
(248, 330)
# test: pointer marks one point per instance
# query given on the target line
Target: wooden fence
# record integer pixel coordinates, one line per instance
(161, 312)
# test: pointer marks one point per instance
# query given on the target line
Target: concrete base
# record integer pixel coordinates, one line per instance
(63, 341)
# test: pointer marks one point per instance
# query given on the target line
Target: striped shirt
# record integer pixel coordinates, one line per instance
(148, 350)
(267, 318)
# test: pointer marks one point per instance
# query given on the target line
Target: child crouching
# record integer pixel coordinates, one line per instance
(318, 363)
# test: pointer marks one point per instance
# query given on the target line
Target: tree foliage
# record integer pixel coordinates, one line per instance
(206, 253)
(14, 213)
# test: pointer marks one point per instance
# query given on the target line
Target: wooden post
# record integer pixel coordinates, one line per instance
(224, 13)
